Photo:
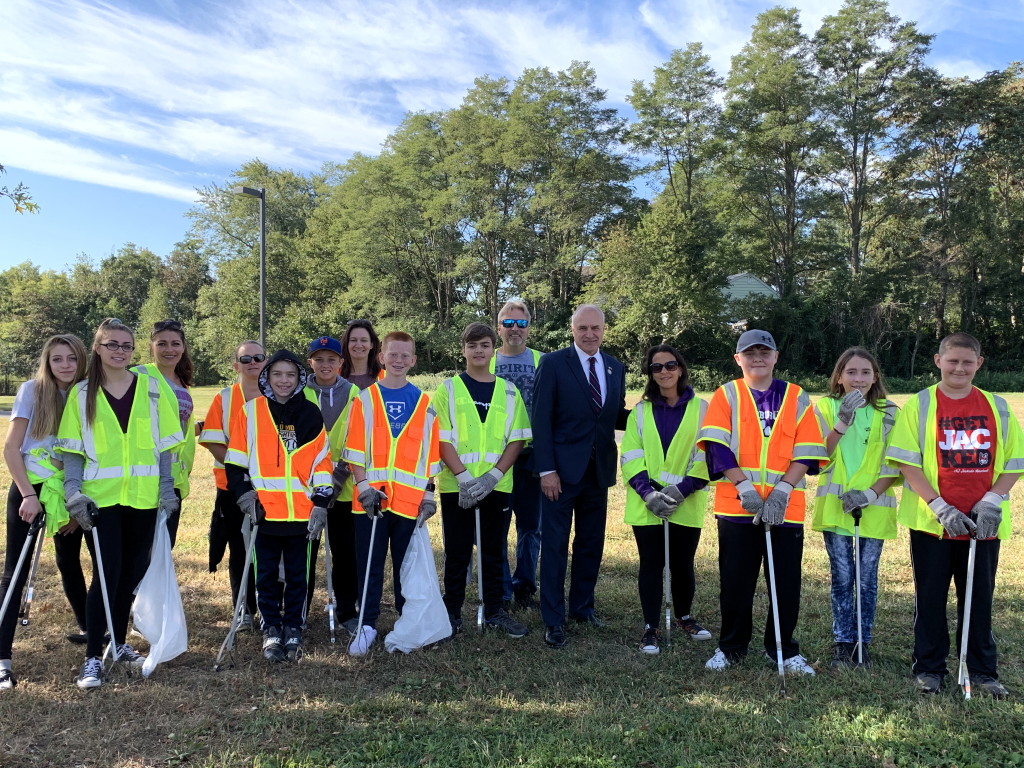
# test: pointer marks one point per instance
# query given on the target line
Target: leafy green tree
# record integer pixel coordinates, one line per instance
(20, 196)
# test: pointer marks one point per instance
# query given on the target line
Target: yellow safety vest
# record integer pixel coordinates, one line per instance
(121, 468)
(480, 444)
(641, 450)
(183, 458)
(336, 438)
(914, 441)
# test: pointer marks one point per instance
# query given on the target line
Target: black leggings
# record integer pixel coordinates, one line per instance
(682, 546)
(67, 549)
(126, 541)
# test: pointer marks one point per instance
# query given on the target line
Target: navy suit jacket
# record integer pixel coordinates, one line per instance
(566, 431)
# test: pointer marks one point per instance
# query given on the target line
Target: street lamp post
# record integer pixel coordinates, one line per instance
(260, 193)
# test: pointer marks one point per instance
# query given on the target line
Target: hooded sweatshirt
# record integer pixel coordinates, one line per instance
(298, 422)
(332, 399)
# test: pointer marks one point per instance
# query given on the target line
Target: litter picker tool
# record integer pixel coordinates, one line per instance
(33, 530)
(479, 575)
(667, 590)
(775, 607)
(369, 565)
(331, 603)
(964, 676)
(857, 512)
(26, 603)
(112, 646)
(227, 648)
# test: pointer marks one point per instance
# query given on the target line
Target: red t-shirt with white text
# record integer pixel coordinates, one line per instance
(966, 449)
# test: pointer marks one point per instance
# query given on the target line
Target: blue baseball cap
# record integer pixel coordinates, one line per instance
(325, 343)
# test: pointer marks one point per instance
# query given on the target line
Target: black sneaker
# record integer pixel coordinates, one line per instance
(650, 643)
(864, 660)
(292, 643)
(273, 650)
(456, 622)
(555, 637)
(842, 655)
(91, 675)
(505, 623)
(692, 629)
(7, 680)
(928, 682)
(986, 685)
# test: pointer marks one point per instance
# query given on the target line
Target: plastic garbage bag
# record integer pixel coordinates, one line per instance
(424, 618)
(157, 611)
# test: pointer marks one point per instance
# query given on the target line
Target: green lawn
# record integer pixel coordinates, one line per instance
(489, 701)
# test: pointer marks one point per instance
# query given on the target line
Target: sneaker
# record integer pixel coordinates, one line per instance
(130, 656)
(351, 625)
(78, 638)
(798, 665)
(7, 680)
(555, 637)
(248, 622)
(981, 683)
(650, 643)
(720, 661)
(292, 643)
(928, 682)
(91, 674)
(456, 622)
(691, 628)
(360, 645)
(505, 623)
(842, 655)
(866, 657)
(273, 650)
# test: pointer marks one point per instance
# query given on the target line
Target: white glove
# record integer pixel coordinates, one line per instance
(955, 522)
(317, 521)
(484, 484)
(466, 481)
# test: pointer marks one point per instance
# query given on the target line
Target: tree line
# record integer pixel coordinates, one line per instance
(882, 201)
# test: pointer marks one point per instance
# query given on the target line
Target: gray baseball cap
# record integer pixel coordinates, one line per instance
(755, 338)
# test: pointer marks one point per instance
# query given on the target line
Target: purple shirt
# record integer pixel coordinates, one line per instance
(667, 419)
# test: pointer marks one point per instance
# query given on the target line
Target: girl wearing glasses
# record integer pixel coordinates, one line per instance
(38, 485)
(667, 478)
(361, 349)
(116, 437)
(172, 363)
(227, 517)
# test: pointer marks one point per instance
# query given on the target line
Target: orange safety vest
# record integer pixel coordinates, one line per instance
(732, 421)
(283, 480)
(400, 466)
(223, 410)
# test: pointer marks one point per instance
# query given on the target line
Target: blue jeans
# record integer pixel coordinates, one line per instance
(844, 606)
(526, 506)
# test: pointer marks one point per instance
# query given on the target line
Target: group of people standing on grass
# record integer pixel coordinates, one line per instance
(352, 448)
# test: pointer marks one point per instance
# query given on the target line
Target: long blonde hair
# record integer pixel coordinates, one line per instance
(48, 404)
(96, 364)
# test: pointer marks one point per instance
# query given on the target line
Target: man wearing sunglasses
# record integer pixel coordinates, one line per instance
(516, 362)
(227, 517)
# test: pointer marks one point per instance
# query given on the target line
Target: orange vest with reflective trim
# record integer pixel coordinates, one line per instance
(223, 410)
(732, 420)
(283, 481)
(400, 466)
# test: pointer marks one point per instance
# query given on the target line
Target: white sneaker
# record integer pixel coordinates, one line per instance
(133, 658)
(719, 661)
(798, 665)
(360, 645)
(91, 675)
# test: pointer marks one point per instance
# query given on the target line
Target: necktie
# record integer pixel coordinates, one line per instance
(595, 386)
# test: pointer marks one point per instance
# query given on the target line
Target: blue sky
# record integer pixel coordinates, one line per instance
(113, 113)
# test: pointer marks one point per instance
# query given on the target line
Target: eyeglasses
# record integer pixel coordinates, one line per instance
(508, 322)
(113, 346)
(166, 325)
(246, 359)
(671, 365)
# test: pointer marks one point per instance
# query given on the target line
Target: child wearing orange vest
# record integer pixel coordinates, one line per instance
(279, 468)
(393, 446)
(761, 437)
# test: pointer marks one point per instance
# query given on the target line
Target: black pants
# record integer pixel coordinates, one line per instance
(459, 526)
(126, 542)
(587, 501)
(227, 505)
(271, 550)
(341, 530)
(394, 530)
(174, 520)
(742, 554)
(67, 548)
(935, 562)
(682, 546)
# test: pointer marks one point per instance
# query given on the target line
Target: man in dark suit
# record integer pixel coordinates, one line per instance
(578, 403)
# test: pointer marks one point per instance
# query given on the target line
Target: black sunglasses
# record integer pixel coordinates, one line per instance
(508, 322)
(246, 359)
(166, 325)
(671, 365)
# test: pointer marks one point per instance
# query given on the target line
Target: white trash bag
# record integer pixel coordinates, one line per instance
(424, 618)
(157, 611)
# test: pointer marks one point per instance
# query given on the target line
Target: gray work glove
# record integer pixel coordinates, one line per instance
(484, 484)
(988, 513)
(371, 499)
(466, 481)
(774, 510)
(848, 408)
(857, 500)
(340, 476)
(317, 521)
(250, 505)
(673, 492)
(428, 508)
(169, 502)
(750, 499)
(80, 508)
(955, 522)
(660, 505)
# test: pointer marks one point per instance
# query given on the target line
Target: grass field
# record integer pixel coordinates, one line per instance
(490, 701)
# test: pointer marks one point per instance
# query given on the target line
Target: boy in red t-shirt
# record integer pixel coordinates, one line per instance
(960, 450)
